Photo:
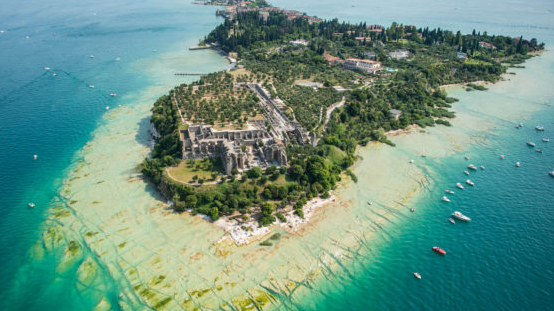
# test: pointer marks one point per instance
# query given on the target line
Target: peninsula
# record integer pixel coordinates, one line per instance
(257, 142)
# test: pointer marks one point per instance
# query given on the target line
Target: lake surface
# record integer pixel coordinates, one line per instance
(501, 260)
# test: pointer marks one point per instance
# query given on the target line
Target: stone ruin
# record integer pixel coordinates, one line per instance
(201, 141)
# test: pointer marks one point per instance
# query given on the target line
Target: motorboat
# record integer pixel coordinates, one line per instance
(46, 68)
(417, 275)
(369, 203)
(469, 182)
(466, 157)
(54, 74)
(91, 86)
(472, 167)
(546, 140)
(518, 164)
(35, 156)
(91, 56)
(450, 191)
(452, 221)
(539, 128)
(117, 59)
(502, 157)
(466, 172)
(412, 209)
(482, 167)
(107, 107)
(520, 125)
(551, 173)
(531, 144)
(439, 250)
(113, 94)
(538, 150)
(445, 199)
(411, 161)
(460, 216)
(31, 204)
(460, 186)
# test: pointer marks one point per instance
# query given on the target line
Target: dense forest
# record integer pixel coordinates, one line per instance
(409, 84)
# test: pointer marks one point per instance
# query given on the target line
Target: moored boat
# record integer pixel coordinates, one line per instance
(546, 139)
(31, 204)
(92, 56)
(520, 125)
(539, 128)
(459, 186)
(113, 94)
(551, 173)
(417, 275)
(482, 167)
(107, 107)
(502, 157)
(460, 216)
(35, 156)
(472, 167)
(531, 144)
(412, 210)
(452, 220)
(466, 172)
(369, 202)
(469, 182)
(538, 150)
(445, 199)
(450, 191)
(439, 250)
(466, 157)
(518, 164)
(91, 86)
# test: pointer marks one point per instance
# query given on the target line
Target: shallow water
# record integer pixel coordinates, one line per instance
(131, 250)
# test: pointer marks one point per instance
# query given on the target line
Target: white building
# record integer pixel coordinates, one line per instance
(399, 54)
(298, 42)
(365, 65)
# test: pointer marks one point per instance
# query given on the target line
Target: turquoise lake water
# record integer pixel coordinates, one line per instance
(501, 260)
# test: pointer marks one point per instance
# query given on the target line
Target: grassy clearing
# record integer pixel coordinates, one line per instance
(194, 170)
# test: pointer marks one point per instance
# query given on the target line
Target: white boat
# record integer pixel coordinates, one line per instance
(54, 74)
(520, 125)
(107, 107)
(46, 68)
(452, 220)
(551, 173)
(412, 209)
(417, 275)
(117, 59)
(538, 150)
(466, 157)
(91, 86)
(2, 31)
(369, 203)
(469, 182)
(460, 216)
(113, 94)
(450, 191)
(531, 144)
(35, 156)
(411, 161)
(445, 199)
(460, 186)
(31, 204)
(466, 172)
(472, 167)
(502, 157)
(546, 140)
(539, 128)
(92, 56)
(518, 164)
(482, 167)
(26, 37)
